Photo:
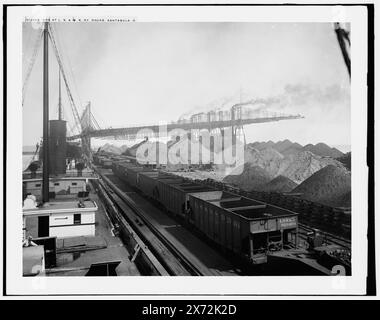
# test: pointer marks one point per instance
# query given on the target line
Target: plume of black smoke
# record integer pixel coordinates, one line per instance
(293, 96)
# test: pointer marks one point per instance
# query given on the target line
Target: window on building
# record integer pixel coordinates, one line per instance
(77, 218)
(38, 184)
(56, 183)
(73, 183)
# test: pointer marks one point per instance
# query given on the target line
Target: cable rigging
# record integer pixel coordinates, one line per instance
(31, 64)
(74, 109)
(60, 64)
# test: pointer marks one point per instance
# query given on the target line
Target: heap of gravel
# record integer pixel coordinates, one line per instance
(280, 184)
(252, 178)
(330, 186)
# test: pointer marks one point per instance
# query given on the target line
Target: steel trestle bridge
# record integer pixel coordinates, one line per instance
(205, 121)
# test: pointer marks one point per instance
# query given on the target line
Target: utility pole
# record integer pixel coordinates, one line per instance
(45, 172)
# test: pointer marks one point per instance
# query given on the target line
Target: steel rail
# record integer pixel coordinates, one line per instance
(185, 262)
(331, 238)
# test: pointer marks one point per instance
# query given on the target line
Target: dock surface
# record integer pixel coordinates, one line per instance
(75, 255)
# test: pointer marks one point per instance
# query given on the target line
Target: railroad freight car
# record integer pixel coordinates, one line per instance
(95, 158)
(147, 182)
(158, 194)
(131, 174)
(243, 226)
(105, 162)
(175, 196)
(127, 171)
(118, 168)
(118, 158)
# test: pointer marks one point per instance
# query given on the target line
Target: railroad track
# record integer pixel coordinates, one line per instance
(132, 240)
(329, 237)
(172, 259)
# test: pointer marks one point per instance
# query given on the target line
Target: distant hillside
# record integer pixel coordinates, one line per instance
(330, 186)
(280, 184)
(281, 146)
(322, 149)
(252, 178)
(287, 147)
(261, 145)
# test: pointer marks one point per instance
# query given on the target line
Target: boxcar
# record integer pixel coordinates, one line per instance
(99, 159)
(246, 227)
(160, 190)
(175, 196)
(147, 181)
(104, 162)
(131, 173)
(118, 168)
(95, 158)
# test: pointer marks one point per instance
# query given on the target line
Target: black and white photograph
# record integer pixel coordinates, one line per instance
(187, 150)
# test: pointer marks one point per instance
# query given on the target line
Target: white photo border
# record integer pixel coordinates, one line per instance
(232, 287)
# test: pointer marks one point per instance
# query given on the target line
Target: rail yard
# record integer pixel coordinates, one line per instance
(189, 226)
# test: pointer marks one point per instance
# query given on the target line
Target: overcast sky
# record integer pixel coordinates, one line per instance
(136, 73)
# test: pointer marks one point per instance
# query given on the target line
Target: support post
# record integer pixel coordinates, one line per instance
(86, 145)
(251, 252)
(45, 171)
(59, 96)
